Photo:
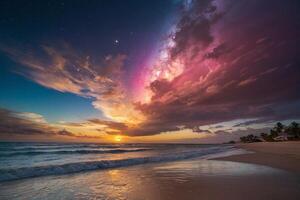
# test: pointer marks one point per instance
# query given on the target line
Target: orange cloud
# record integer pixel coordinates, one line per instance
(64, 70)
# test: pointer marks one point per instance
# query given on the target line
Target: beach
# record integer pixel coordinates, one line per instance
(193, 178)
(150, 100)
(282, 155)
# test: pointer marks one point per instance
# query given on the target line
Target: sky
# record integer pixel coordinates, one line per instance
(188, 71)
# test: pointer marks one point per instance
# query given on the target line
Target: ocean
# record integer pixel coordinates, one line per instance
(47, 171)
(28, 160)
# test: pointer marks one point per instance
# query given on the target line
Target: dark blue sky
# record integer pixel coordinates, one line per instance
(217, 69)
(91, 28)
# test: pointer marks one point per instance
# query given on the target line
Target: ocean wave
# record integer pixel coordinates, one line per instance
(54, 147)
(36, 171)
(81, 151)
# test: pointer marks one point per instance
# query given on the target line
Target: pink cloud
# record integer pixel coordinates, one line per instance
(225, 60)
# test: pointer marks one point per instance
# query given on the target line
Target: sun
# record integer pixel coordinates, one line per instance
(118, 138)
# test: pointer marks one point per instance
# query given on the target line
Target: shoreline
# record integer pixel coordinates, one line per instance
(213, 179)
(281, 155)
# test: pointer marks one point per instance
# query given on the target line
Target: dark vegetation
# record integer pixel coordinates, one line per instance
(279, 133)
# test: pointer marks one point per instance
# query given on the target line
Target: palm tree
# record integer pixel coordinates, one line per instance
(293, 130)
(266, 137)
(279, 127)
(273, 133)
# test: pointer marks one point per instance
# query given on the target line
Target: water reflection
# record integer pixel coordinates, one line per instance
(193, 168)
(152, 181)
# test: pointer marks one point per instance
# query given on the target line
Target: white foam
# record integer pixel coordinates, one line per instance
(27, 172)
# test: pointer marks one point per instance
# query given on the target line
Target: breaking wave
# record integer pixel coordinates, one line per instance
(36, 171)
(32, 153)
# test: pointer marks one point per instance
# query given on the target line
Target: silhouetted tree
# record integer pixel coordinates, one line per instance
(293, 130)
(279, 128)
(266, 137)
(250, 138)
(273, 133)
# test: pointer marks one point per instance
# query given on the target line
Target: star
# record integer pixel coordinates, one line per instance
(116, 42)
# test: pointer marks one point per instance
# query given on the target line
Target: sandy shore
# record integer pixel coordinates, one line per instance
(282, 155)
(188, 179)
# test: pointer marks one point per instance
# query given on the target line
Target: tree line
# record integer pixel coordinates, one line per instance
(279, 132)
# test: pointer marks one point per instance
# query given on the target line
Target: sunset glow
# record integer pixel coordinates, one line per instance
(190, 71)
(118, 138)
(150, 99)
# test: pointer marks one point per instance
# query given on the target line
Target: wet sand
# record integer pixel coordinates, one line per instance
(274, 175)
(190, 179)
(282, 155)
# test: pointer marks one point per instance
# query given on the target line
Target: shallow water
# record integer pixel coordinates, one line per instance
(187, 179)
(135, 172)
(26, 160)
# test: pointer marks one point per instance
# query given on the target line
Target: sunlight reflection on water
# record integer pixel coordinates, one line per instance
(138, 182)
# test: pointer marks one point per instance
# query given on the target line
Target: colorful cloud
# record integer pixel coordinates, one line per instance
(222, 61)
